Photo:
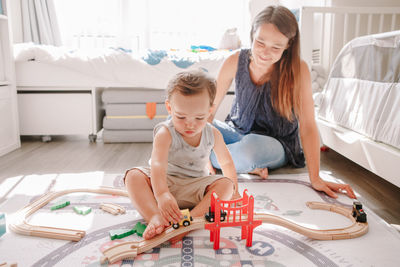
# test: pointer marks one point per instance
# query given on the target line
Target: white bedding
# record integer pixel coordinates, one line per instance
(109, 67)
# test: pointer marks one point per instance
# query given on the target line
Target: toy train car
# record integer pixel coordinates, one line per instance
(210, 216)
(358, 212)
(185, 220)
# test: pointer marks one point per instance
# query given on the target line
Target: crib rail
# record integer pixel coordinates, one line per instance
(325, 30)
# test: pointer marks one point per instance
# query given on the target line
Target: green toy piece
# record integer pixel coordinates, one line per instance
(60, 205)
(121, 233)
(2, 224)
(139, 227)
(83, 210)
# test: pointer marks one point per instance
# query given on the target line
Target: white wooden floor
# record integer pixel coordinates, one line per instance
(76, 154)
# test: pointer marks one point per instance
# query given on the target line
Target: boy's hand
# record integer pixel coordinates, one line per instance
(169, 207)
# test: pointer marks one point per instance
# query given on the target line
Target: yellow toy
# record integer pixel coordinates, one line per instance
(185, 220)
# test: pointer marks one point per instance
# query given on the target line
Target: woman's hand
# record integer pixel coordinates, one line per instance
(169, 207)
(330, 188)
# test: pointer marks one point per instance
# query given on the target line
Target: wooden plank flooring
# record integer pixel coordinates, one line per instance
(76, 154)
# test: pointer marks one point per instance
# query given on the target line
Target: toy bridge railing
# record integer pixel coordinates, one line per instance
(239, 212)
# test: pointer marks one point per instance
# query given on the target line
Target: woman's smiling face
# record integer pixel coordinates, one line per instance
(268, 45)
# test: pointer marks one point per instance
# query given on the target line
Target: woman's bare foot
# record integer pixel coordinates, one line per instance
(154, 227)
(262, 172)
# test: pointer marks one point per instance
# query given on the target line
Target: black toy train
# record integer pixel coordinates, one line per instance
(358, 212)
(210, 216)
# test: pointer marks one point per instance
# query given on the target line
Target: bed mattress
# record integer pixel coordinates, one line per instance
(44, 65)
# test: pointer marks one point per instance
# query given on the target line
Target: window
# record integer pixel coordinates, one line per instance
(154, 24)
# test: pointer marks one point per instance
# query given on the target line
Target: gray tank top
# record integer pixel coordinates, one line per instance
(185, 160)
(252, 112)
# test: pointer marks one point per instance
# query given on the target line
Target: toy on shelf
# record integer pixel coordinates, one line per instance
(113, 208)
(2, 224)
(60, 205)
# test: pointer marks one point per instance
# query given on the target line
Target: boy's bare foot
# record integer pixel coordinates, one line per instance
(262, 172)
(154, 227)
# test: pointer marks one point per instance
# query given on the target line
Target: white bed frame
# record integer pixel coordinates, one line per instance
(326, 30)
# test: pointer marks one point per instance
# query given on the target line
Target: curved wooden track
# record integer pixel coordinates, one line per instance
(132, 249)
(355, 230)
(20, 226)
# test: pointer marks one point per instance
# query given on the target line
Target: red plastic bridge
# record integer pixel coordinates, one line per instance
(239, 212)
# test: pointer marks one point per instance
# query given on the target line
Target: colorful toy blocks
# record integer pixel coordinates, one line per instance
(60, 205)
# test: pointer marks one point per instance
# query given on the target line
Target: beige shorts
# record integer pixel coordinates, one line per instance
(187, 191)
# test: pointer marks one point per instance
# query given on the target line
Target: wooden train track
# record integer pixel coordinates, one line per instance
(132, 249)
(20, 226)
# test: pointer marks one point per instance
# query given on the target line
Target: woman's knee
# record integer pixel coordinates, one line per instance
(257, 151)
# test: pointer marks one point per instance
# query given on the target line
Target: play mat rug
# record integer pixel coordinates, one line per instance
(283, 195)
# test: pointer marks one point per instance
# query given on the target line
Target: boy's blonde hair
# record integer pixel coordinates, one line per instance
(192, 83)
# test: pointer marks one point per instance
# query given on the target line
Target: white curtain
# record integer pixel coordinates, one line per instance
(40, 22)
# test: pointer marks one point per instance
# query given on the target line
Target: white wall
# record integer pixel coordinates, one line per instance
(16, 20)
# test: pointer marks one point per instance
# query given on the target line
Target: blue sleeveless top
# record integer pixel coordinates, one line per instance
(252, 112)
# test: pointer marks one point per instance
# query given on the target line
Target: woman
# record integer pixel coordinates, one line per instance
(273, 106)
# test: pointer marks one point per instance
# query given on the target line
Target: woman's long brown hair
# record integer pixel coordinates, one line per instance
(285, 78)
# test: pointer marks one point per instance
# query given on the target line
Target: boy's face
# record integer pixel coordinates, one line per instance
(189, 113)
